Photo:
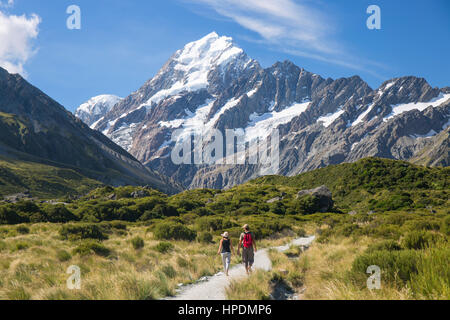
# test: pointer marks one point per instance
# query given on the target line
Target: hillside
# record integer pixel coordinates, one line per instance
(41, 181)
(374, 183)
(34, 127)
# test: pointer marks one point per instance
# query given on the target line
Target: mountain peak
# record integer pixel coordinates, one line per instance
(189, 69)
(94, 109)
(211, 50)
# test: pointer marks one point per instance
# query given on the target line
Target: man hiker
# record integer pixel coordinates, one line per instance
(248, 245)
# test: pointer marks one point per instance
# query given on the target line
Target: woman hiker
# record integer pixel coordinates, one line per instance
(248, 245)
(225, 249)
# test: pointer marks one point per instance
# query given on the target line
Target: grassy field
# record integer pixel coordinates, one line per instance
(128, 263)
(138, 243)
(411, 249)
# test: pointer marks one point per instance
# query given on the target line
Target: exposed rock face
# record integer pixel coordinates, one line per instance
(212, 84)
(323, 194)
(35, 128)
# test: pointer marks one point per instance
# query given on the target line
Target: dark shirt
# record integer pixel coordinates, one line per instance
(226, 246)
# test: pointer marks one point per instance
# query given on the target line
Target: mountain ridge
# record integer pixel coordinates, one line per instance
(321, 121)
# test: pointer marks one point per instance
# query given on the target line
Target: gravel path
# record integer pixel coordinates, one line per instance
(213, 288)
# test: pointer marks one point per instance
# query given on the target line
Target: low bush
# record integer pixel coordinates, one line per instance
(21, 245)
(164, 247)
(347, 230)
(63, 255)
(204, 237)
(23, 230)
(173, 231)
(445, 227)
(388, 245)
(9, 216)
(137, 243)
(307, 205)
(324, 235)
(432, 280)
(182, 263)
(59, 214)
(396, 266)
(92, 247)
(418, 240)
(83, 231)
(213, 224)
(169, 271)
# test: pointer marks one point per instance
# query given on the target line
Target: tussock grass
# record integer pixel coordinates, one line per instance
(33, 266)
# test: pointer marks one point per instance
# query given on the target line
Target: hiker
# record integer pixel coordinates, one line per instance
(248, 245)
(225, 249)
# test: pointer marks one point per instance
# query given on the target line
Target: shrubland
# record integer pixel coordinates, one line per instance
(138, 243)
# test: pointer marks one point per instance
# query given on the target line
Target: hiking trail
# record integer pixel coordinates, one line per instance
(213, 288)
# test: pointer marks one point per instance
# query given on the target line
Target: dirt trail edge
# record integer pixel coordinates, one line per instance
(214, 287)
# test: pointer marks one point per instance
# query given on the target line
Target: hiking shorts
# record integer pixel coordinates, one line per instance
(248, 256)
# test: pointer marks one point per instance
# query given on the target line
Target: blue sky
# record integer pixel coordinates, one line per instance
(123, 43)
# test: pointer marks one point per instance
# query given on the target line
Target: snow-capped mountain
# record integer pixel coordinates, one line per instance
(96, 108)
(212, 84)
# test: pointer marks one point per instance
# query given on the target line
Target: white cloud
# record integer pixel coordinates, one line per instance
(279, 21)
(16, 40)
(294, 27)
(6, 3)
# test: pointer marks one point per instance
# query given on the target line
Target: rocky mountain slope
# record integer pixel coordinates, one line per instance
(212, 84)
(36, 129)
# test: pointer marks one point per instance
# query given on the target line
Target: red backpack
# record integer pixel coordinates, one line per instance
(248, 240)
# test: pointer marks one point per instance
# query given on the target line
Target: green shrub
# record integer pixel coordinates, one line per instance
(21, 245)
(204, 237)
(301, 233)
(307, 205)
(189, 218)
(432, 280)
(202, 212)
(9, 216)
(118, 225)
(418, 240)
(59, 214)
(82, 231)
(392, 202)
(92, 247)
(445, 227)
(169, 271)
(325, 235)
(396, 266)
(182, 263)
(173, 231)
(23, 230)
(388, 245)
(158, 212)
(63, 255)
(385, 231)
(213, 224)
(164, 247)
(347, 230)
(137, 243)
(416, 225)
(2, 245)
